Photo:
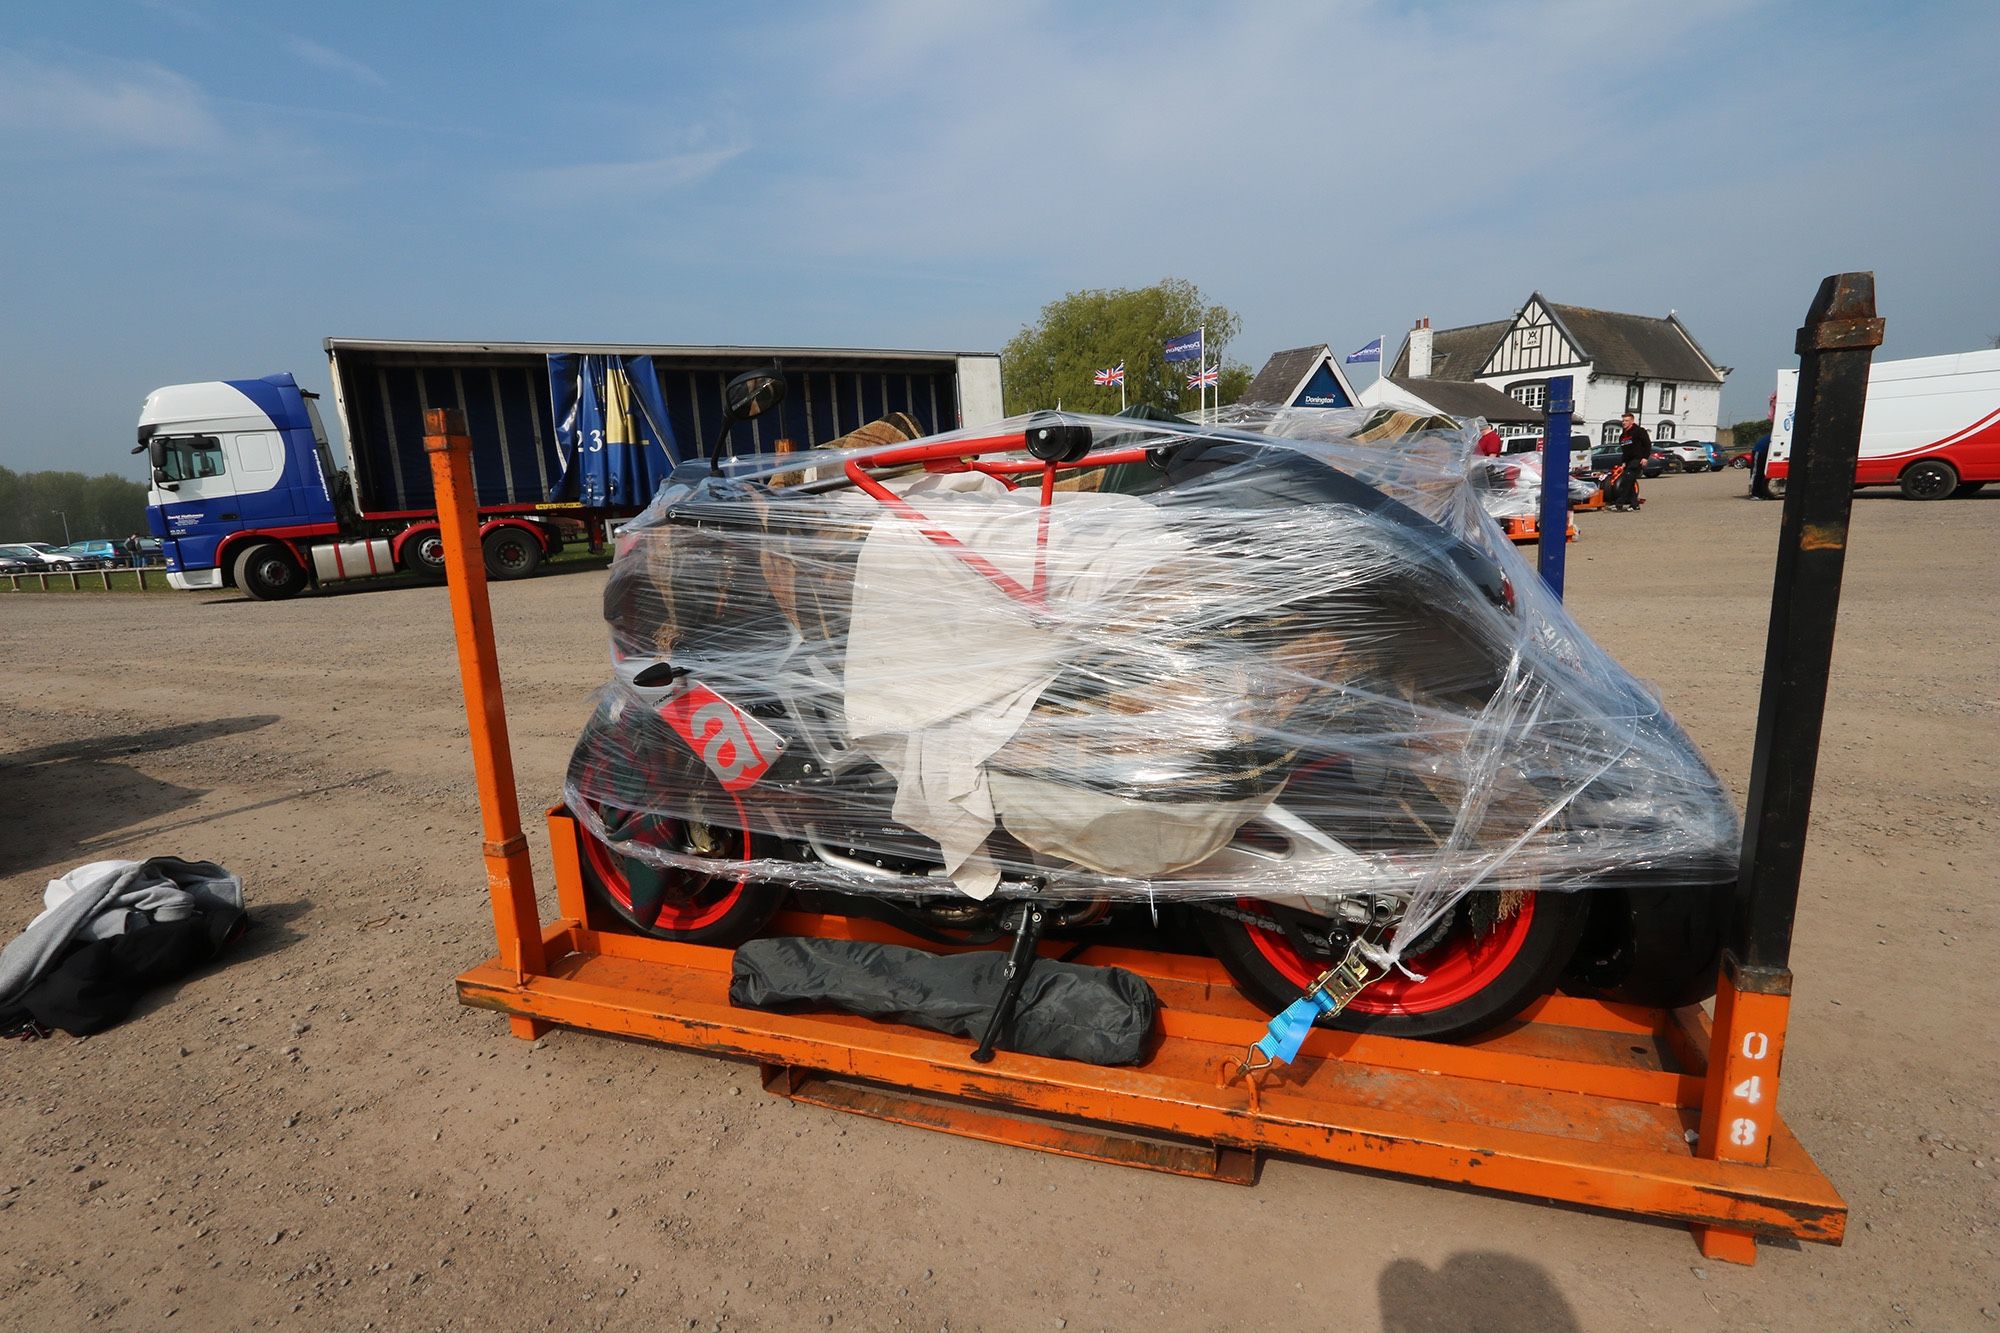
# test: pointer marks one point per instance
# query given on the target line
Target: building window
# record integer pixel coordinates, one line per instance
(1664, 431)
(1635, 393)
(1613, 432)
(1666, 397)
(1533, 394)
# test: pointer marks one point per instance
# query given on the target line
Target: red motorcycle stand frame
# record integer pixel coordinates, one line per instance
(1654, 1113)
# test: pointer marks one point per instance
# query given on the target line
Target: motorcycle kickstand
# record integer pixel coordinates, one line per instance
(1020, 958)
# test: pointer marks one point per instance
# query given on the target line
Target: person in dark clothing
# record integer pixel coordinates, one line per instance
(1638, 447)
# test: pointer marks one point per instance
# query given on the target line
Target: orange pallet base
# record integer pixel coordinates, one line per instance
(1579, 1101)
(1524, 530)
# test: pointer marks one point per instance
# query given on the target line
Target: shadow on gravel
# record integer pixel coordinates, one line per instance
(70, 796)
(1478, 1290)
(270, 932)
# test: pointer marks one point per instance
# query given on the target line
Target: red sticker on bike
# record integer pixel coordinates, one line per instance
(737, 748)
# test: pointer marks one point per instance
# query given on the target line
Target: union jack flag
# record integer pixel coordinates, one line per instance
(1113, 376)
(1204, 379)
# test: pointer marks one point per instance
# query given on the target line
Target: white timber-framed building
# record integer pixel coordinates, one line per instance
(1648, 366)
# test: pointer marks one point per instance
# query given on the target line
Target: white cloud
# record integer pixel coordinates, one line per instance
(333, 61)
(615, 181)
(49, 108)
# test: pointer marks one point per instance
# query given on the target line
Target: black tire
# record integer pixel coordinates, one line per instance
(267, 572)
(1672, 464)
(1654, 946)
(1555, 925)
(511, 553)
(672, 903)
(1774, 488)
(1966, 488)
(1741, 461)
(423, 555)
(1929, 479)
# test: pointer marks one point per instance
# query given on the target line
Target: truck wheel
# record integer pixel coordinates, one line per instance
(267, 572)
(1929, 479)
(423, 555)
(511, 553)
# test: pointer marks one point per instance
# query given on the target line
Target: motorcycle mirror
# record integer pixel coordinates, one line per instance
(754, 392)
(749, 395)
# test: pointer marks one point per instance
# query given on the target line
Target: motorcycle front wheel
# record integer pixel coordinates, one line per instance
(723, 906)
(1474, 978)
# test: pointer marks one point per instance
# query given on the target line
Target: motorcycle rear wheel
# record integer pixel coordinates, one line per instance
(1473, 981)
(723, 907)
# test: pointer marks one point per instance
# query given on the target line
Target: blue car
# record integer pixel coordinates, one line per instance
(101, 554)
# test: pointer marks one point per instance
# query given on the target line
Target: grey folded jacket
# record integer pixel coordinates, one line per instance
(107, 898)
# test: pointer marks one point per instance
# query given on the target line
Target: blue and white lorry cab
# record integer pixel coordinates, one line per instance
(245, 494)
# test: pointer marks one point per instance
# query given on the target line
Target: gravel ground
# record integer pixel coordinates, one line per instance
(316, 1134)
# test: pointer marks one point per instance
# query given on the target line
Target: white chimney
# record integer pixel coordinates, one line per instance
(1420, 349)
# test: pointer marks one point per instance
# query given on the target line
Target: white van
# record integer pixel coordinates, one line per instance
(1931, 426)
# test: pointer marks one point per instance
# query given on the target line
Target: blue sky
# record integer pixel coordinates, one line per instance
(199, 190)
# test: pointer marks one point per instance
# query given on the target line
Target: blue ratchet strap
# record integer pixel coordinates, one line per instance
(1288, 1030)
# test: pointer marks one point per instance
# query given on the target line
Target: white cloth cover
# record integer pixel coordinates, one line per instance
(943, 666)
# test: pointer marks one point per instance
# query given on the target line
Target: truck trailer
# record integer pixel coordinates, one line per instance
(245, 491)
(1931, 426)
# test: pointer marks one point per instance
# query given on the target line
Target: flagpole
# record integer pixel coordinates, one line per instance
(1121, 386)
(1201, 365)
(1381, 358)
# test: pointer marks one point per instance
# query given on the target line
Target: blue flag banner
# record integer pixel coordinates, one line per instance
(1372, 352)
(612, 435)
(1187, 347)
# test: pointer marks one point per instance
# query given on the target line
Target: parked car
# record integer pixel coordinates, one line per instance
(101, 554)
(1579, 445)
(1603, 459)
(42, 557)
(10, 564)
(1684, 455)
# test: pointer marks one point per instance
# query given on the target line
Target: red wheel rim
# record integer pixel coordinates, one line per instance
(675, 914)
(1455, 969)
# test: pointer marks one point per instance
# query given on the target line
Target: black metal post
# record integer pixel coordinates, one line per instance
(1835, 346)
(1552, 550)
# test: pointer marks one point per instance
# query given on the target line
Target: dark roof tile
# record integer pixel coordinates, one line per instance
(1282, 374)
(1456, 354)
(1466, 401)
(1636, 345)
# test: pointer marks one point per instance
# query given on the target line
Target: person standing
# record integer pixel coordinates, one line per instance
(132, 549)
(1638, 447)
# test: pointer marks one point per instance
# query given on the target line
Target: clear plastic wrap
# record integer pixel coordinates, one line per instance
(1287, 657)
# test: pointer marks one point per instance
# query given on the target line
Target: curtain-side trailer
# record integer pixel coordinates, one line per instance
(246, 492)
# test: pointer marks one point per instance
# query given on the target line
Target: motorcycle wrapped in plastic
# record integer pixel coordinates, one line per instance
(1280, 674)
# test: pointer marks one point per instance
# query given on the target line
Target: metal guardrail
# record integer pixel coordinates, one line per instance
(80, 578)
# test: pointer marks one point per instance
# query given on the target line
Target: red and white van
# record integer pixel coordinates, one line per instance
(1932, 426)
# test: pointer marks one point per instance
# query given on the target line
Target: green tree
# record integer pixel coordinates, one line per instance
(1052, 360)
(35, 505)
(1745, 433)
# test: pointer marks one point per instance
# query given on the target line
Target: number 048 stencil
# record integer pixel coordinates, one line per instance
(737, 748)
